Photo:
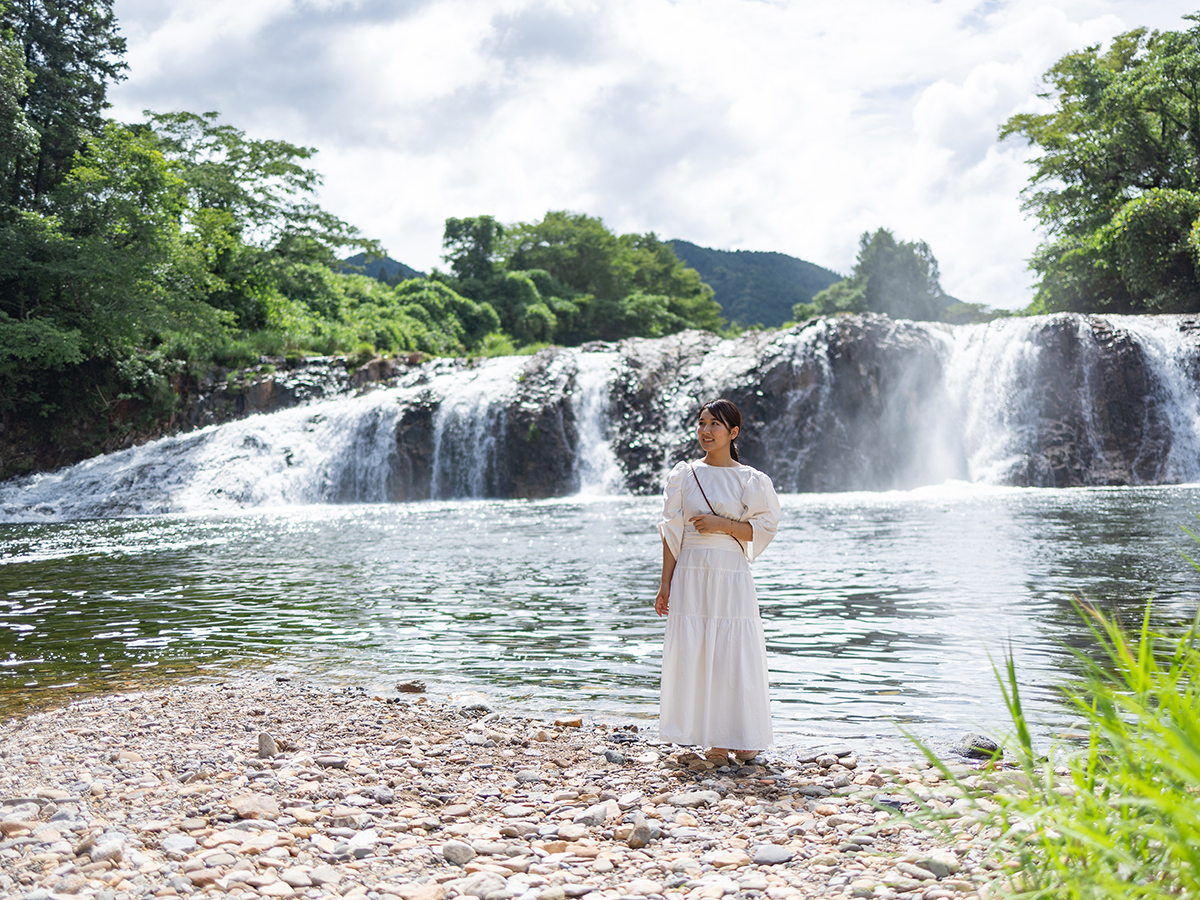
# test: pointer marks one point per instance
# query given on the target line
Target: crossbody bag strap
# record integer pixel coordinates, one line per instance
(709, 502)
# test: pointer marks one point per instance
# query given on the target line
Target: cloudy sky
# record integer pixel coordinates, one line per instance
(738, 124)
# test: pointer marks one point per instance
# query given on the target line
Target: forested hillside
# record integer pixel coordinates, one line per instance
(387, 270)
(755, 287)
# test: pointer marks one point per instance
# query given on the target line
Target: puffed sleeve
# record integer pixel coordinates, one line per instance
(671, 525)
(762, 512)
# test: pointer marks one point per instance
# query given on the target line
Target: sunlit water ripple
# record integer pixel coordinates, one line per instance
(882, 611)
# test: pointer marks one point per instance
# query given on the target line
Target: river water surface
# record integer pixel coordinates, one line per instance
(883, 611)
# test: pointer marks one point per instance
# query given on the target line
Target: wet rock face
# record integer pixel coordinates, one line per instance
(839, 404)
(520, 443)
(868, 403)
(1099, 415)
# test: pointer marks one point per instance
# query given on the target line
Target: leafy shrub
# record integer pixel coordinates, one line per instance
(1119, 816)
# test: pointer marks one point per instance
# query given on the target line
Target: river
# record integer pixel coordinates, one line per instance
(884, 611)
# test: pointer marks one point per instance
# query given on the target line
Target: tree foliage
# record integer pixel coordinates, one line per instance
(568, 278)
(899, 278)
(1116, 184)
(72, 51)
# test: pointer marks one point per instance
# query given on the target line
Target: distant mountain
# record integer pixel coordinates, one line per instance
(755, 287)
(393, 272)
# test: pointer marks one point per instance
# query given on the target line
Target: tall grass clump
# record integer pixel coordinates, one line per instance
(1118, 816)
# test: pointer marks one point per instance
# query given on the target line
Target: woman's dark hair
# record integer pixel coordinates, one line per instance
(727, 413)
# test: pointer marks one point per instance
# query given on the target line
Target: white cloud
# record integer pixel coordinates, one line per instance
(741, 124)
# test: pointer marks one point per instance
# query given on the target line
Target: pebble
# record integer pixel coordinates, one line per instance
(397, 799)
(457, 852)
(771, 855)
(267, 747)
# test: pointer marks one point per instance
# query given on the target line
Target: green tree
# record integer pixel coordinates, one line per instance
(1118, 175)
(598, 284)
(88, 283)
(72, 51)
(899, 278)
(250, 222)
(18, 138)
(471, 246)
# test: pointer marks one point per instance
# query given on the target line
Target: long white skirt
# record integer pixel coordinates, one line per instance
(714, 670)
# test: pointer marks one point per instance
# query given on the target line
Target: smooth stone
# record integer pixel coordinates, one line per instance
(457, 852)
(414, 686)
(641, 887)
(266, 746)
(479, 885)
(572, 832)
(331, 762)
(975, 746)
(722, 859)
(528, 776)
(694, 799)
(296, 877)
(255, 806)
(323, 875)
(177, 846)
(771, 855)
(594, 815)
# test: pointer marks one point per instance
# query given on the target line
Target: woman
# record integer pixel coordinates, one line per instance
(718, 515)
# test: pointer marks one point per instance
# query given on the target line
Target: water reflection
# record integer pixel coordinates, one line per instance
(879, 608)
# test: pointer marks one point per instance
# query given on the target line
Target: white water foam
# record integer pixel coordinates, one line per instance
(466, 426)
(1173, 362)
(596, 466)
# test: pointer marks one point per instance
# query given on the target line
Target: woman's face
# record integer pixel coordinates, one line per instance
(712, 433)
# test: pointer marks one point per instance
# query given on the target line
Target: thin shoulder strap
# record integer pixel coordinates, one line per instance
(709, 502)
(702, 494)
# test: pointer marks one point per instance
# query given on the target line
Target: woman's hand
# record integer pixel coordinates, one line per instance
(708, 524)
(660, 602)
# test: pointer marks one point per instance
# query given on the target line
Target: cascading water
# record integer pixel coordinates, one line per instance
(596, 466)
(467, 452)
(850, 403)
(1174, 361)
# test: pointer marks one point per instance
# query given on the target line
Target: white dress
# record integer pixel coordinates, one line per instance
(714, 668)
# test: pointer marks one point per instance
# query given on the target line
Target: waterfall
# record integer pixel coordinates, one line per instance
(467, 452)
(1173, 359)
(597, 470)
(848, 403)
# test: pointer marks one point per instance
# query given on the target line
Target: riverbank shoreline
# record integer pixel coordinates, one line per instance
(247, 789)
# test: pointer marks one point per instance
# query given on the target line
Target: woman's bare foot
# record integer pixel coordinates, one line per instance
(745, 755)
(717, 754)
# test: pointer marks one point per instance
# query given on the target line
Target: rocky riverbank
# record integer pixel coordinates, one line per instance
(253, 790)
